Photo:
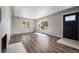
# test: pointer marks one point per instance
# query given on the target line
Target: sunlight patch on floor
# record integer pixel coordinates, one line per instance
(16, 48)
(40, 34)
(42, 39)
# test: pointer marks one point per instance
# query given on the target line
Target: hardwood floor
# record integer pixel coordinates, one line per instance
(41, 43)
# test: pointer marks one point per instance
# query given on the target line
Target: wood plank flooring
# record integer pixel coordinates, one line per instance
(41, 43)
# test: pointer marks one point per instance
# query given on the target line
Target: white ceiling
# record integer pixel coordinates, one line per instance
(35, 12)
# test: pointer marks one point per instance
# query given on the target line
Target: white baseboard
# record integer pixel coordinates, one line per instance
(21, 33)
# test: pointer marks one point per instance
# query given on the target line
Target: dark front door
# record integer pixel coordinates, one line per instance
(70, 26)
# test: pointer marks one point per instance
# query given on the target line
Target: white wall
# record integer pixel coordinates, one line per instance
(17, 25)
(54, 25)
(5, 22)
(55, 22)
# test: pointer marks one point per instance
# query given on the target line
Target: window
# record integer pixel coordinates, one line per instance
(43, 25)
(70, 18)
